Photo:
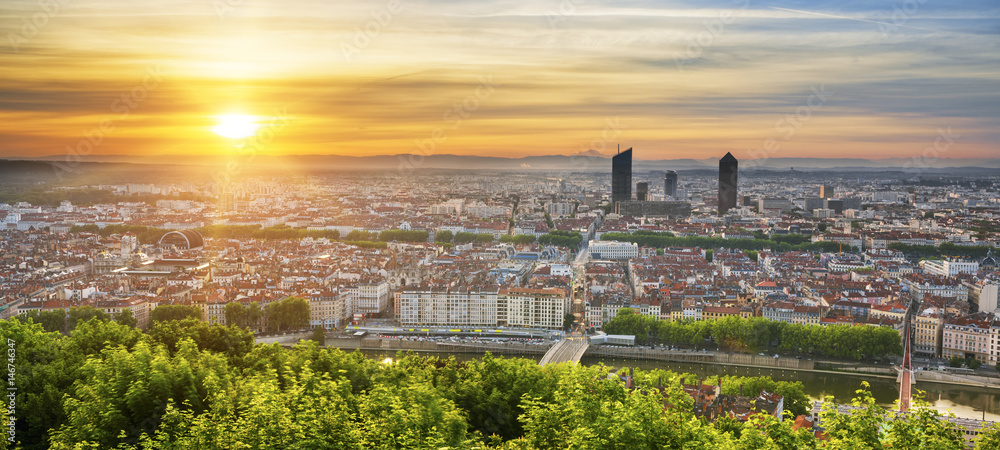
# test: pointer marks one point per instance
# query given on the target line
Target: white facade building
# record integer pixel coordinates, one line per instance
(613, 250)
(515, 307)
(367, 298)
(949, 268)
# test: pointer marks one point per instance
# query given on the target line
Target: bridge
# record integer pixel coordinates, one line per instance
(570, 349)
(905, 378)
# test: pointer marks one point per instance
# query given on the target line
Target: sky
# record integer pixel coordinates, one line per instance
(672, 79)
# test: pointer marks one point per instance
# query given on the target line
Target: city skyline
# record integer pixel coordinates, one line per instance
(501, 79)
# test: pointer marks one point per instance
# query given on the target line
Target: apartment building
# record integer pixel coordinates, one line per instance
(612, 250)
(970, 336)
(369, 297)
(927, 334)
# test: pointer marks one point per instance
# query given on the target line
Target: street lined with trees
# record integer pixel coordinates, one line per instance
(757, 333)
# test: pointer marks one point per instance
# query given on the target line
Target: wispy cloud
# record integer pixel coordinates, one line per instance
(939, 67)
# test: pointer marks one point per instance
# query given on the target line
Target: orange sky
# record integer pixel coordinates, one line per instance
(674, 79)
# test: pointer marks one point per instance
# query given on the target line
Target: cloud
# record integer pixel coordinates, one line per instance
(688, 78)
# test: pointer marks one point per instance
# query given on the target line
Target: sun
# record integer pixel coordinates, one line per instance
(235, 126)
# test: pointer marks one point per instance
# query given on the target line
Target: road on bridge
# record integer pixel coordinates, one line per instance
(569, 349)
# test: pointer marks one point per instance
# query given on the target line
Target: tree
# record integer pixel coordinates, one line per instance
(973, 363)
(520, 239)
(989, 438)
(404, 235)
(83, 313)
(244, 315)
(562, 239)
(236, 314)
(319, 336)
(175, 312)
(287, 314)
(91, 337)
(858, 429)
(49, 320)
(568, 321)
(124, 394)
(230, 340)
(956, 361)
(463, 237)
(409, 416)
(358, 235)
(127, 318)
(46, 372)
(484, 238)
(443, 236)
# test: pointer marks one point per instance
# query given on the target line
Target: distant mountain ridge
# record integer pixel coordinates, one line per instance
(590, 161)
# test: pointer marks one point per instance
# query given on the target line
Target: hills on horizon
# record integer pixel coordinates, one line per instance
(590, 161)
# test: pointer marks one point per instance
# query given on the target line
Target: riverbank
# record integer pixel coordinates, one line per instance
(645, 354)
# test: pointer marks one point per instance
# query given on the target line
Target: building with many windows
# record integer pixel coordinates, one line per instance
(927, 329)
(949, 268)
(370, 298)
(670, 184)
(970, 337)
(328, 309)
(485, 307)
(921, 285)
(728, 168)
(621, 177)
(535, 308)
(612, 250)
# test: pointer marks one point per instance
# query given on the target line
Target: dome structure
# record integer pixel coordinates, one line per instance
(183, 239)
(990, 262)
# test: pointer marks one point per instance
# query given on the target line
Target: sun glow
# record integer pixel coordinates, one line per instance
(235, 126)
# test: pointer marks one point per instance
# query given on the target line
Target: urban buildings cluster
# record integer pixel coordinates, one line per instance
(494, 251)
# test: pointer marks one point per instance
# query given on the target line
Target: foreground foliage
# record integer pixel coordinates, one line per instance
(187, 384)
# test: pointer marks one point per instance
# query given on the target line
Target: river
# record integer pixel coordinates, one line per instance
(964, 401)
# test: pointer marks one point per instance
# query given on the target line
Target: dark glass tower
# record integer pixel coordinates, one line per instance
(621, 177)
(641, 191)
(670, 184)
(728, 166)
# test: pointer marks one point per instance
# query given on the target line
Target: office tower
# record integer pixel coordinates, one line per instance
(836, 204)
(621, 176)
(826, 191)
(670, 184)
(851, 202)
(728, 167)
(641, 191)
(812, 203)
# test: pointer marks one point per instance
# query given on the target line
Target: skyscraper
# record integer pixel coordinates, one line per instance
(641, 190)
(728, 167)
(670, 184)
(826, 191)
(621, 176)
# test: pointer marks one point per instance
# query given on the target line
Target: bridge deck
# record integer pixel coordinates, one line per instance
(569, 349)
